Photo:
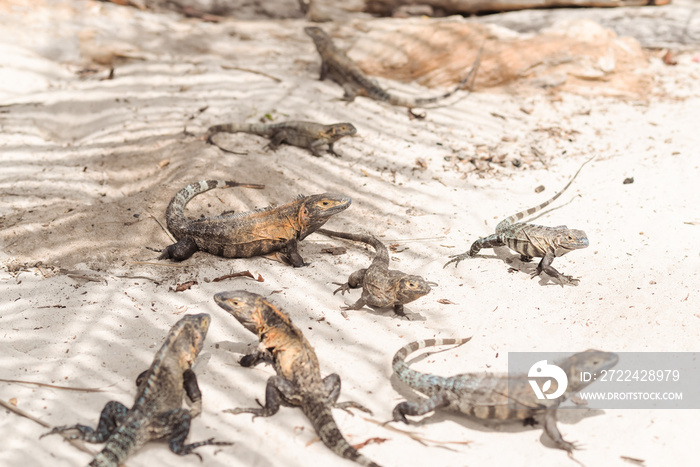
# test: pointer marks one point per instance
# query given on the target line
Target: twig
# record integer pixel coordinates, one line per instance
(228, 67)
(159, 264)
(24, 414)
(67, 388)
(422, 440)
(162, 227)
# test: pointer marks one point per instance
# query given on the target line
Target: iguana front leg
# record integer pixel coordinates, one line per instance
(112, 416)
(332, 384)
(550, 427)
(192, 391)
(255, 358)
(279, 391)
(291, 251)
(546, 266)
(437, 401)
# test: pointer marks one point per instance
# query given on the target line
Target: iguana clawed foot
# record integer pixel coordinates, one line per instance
(456, 259)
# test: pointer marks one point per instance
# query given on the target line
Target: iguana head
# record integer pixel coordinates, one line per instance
(318, 35)
(246, 307)
(187, 336)
(570, 239)
(411, 288)
(590, 361)
(317, 209)
(338, 130)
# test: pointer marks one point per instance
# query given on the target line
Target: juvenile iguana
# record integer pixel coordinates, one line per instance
(381, 286)
(531, 240)
(298, 382)
(487, 397)
(247, 234)
(157, 412)
(308, 135)
(340, 68)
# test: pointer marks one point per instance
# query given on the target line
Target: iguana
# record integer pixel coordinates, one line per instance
(298, 382)
(247, 234)
(157, 412)
(308, 135)
(381, 286)
(340, 68)
(487, 397)
(531, 240)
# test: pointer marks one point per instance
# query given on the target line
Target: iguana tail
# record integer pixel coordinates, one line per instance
(319, 414)
(382, 256)
(528, 212)
(175, 213)
(416, 379)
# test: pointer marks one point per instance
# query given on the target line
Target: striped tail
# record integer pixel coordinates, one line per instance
(415, 379)
(120, 445)
(319, 414)
(175, 214)
(260, 129)
(470, 76)
(382, 256)
(508, 221)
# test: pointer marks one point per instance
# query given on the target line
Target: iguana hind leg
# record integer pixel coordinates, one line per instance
(332, 386)
(278, 392)
(420, 408)
(112, 416)
(181, 250)
(491, 241)
(175, 425)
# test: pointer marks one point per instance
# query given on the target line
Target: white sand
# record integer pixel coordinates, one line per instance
(81, 178)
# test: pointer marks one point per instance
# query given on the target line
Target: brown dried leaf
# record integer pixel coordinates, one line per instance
(184, 286)
(13, 401)
(235, 274)
(445, 301)
(374, 440)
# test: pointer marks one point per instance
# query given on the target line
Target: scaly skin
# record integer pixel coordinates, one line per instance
(157, 412)
(336, 65)
(307, 135)
(532, 240)
(298, 382)
(248, 234)
(487, 397)
(381, 286)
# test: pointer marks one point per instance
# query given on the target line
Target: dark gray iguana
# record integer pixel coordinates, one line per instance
(381, 286)
(486, 396)
(531, 240)
(308, 135)
(248, 234)
(298, 382)
(157, 412)
(340, 68)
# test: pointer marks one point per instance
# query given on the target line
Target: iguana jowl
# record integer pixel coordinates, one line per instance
(157, 412)
(381, 286)
(298, 382)
(247, 234)
(487, 397)
(308, 135)
(531, 240)
(340, 68)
